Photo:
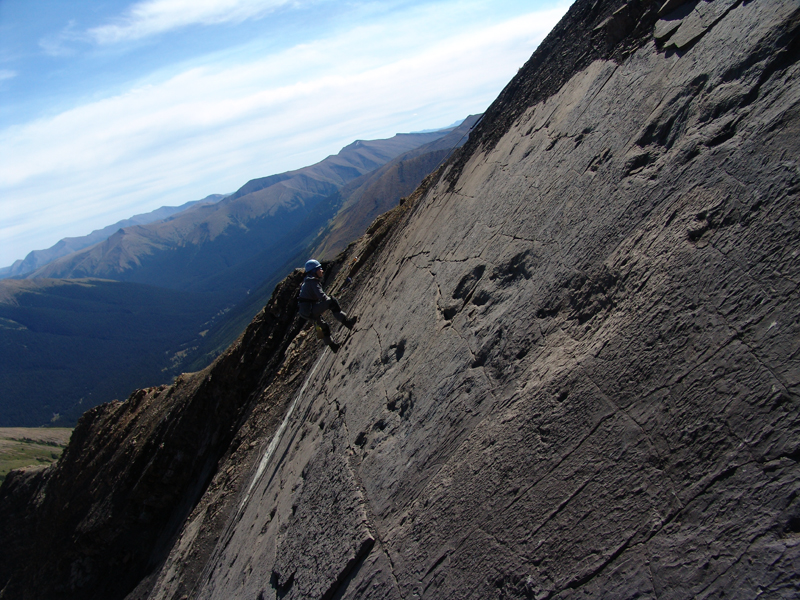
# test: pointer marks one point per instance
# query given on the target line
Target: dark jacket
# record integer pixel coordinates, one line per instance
(312, 290)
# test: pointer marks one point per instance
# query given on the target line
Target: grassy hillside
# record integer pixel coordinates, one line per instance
(26, 447)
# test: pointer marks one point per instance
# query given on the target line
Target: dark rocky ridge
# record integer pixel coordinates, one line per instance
(132, 471)
(576, 367)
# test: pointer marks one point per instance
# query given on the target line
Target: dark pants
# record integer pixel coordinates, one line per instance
(313, 312)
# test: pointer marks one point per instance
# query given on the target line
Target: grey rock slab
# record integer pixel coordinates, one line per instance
(672, 19)
(327, 534)
(701, 550)
(375, 579)
(575, 370)
(666, 330)
(704, 16)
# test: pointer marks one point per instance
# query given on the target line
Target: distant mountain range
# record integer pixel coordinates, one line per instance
(176, 290)
(210, 247)
(363, 199)
(39, 258)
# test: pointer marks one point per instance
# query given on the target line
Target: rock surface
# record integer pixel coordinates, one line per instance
(575, 372)
(576, 368)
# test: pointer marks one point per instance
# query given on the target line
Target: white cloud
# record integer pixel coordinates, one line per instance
(7, 74)
(152, 17)
(204, 103)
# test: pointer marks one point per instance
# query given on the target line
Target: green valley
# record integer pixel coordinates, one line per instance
(26, 447)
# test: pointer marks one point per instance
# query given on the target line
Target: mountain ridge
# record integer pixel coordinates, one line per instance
(384, 187)
(164, 253)
(218, 318)
(38, 258)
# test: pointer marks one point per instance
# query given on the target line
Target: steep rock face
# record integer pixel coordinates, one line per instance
(576, 366)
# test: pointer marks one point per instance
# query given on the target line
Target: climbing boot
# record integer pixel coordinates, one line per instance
(334, 347)
(349, 323)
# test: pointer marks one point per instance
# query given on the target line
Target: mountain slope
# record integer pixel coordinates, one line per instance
(196, 249)
(38, 258)
(52, 374)
(371, 195)
(575, 371)
(334, 222)
(68, 345)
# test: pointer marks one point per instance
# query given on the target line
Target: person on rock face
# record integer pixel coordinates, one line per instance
(314, 301)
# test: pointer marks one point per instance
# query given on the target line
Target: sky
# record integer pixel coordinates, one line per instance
(112, 108)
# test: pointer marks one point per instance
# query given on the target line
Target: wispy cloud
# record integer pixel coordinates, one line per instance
(7, 74)
(201, 103)
(158, 16)
(61, 44)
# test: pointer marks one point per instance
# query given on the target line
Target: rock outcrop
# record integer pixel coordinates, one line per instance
(576, 368)
(92, 525)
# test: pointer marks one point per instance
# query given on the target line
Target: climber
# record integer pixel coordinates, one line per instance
(314, 301)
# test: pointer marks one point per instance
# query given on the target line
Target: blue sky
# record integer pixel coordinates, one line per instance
(111, 108)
